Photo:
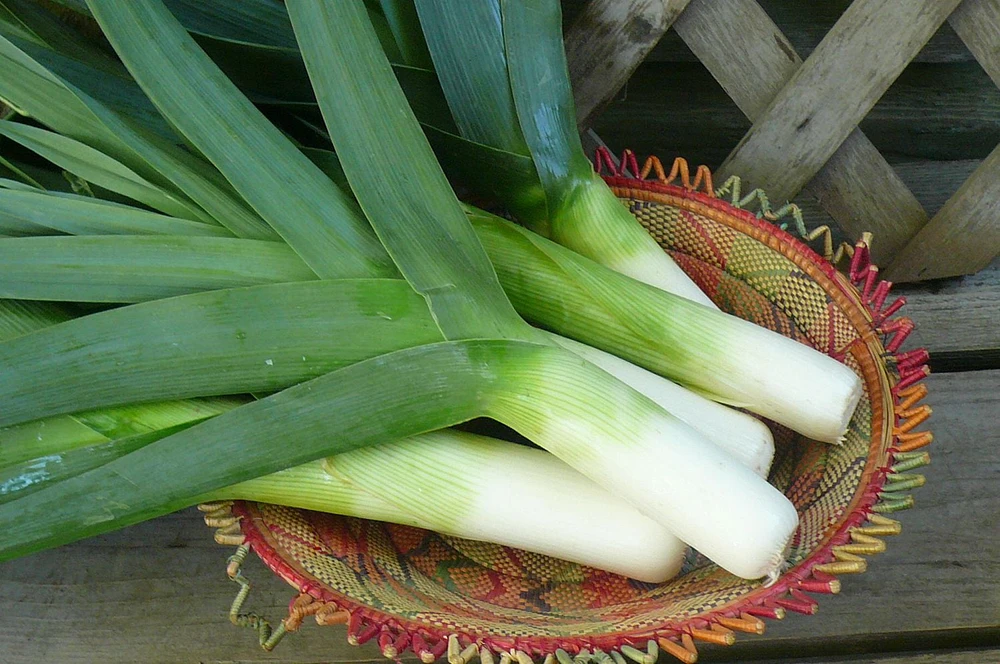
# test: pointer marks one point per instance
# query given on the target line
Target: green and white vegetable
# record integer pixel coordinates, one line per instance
(481, 488)
(503, 70)
(747, 439)
(551, 295)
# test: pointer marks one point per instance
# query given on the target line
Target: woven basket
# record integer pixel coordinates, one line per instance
(410, 589)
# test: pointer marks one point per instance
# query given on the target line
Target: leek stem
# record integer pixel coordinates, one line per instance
(479, 488)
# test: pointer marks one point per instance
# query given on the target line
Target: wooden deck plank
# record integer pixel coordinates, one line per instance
(956, 317)
(606, 41)
(977, 656)
(158, 589)
(833, 90)
(965, 235)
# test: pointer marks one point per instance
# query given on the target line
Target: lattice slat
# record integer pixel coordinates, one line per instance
(831, 93)
(965, 235)
(805, 115)
(606, 42)
(751, 59)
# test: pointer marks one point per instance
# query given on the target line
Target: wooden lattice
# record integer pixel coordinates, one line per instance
(805, 114)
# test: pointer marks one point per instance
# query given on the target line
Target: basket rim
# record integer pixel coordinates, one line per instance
(861, 295)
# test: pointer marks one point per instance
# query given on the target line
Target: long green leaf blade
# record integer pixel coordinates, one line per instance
(321, 224)
(417, 217)
(539, 81)
(55, 436)
(7, 183)
(126, 268)
(32, 212)
(118, 92)
(236, 341)
(466, 42)
(34, 90)
(102, 170)
(31, 475)
(8, 167)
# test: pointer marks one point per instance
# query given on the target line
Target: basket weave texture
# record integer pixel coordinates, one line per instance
(414, 589)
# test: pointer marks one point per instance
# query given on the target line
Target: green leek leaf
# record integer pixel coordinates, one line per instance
(39, 93)
(136, 268)
(25, 477)
(102, 170)
(233, 341)
(118, 92)
(321, 224)
(415, 214)
(539, 84)
(29, 211)
(466, 42)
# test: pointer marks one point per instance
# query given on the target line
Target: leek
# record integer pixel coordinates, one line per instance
(573, 409)
(718, 355)
(748, 440)
(480, 488)
(503, 70)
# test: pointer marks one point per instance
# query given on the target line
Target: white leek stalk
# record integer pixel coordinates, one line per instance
(666, 469)
(480, 488)
(746, 438)
(725, 358)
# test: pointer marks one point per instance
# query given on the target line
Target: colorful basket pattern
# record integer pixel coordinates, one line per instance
(435, 595)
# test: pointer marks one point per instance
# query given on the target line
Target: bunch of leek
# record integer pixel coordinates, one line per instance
(257, 30)
(296, 297)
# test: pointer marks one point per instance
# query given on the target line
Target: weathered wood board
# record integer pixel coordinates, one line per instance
(606, 41)
(965, 235)
(958, 319)
(752, 60)
(977, 656)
